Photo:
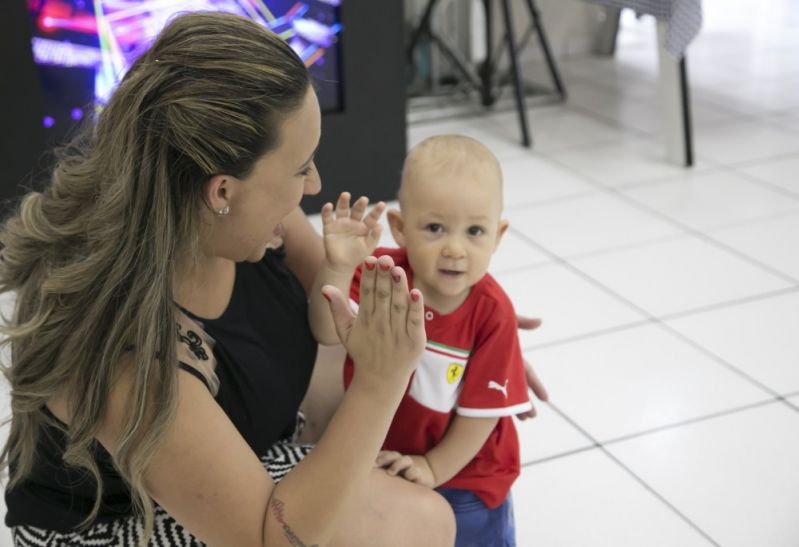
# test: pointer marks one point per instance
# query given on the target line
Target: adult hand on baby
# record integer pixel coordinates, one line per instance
(386, 338)
(350, 235)
(533, 381)
(413, 468)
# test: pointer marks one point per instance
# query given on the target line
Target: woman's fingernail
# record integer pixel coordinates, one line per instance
(383, 266)
(396, 277)
(370, 266)
(414, 296)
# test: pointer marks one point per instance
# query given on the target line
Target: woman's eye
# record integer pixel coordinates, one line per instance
(307, 171)
(475, 231)
(434, 228)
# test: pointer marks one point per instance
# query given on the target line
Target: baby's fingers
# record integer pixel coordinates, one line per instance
(413, 474)
(374, 236)
(387, 457)
(400, 465)
(373, 217)
(327, 213)
(343, 205)
(359, 208)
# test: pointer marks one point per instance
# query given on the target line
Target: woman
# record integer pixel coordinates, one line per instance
(160, 351)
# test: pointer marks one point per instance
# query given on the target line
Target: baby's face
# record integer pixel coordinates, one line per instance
(451, 227)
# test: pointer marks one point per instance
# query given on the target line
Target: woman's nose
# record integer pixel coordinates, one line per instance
(313, 183)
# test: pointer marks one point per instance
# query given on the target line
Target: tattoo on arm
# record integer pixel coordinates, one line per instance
(277, 510)
(193, 340)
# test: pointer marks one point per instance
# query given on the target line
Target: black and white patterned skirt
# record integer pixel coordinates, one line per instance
(281, 458)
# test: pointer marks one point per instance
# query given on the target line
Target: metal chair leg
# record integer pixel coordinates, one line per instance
(486, 69)
(517, 80)
(542, 38)
(421, 29)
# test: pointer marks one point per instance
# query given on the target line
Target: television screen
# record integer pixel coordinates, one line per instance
(82, 48)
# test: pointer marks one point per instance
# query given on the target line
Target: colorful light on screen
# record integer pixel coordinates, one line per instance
(105, 37)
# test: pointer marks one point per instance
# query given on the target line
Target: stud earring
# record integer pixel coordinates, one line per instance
(224, 211)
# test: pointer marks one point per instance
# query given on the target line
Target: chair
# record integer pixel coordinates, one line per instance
(485, 80)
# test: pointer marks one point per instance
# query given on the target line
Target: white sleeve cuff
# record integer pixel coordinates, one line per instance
(494, 412)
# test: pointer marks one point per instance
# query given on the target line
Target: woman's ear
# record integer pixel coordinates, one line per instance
(218, 193)
(397, 226)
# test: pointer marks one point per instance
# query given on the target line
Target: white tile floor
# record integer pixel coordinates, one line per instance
(670, 297)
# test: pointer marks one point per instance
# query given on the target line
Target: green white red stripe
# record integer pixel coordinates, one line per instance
(449, 351)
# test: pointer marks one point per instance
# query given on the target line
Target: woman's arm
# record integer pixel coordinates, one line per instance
(205, 475)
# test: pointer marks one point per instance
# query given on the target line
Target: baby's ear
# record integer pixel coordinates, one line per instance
(397, 226)
(501, 229)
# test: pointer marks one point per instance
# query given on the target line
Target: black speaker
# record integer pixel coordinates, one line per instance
(363, 142)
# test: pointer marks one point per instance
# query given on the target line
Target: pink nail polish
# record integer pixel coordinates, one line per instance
(384, 267)
(415, 296)
(396, 277)
(370, 266)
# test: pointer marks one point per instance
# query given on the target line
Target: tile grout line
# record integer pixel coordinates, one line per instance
(730, 303)
(764, 183)
(686, 228)
(650, 431)
(719, 360)
(559, 455)
(632, 474)
(692, 421)
(652, 318)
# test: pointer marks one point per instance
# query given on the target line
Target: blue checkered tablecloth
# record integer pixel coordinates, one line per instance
(683, 17)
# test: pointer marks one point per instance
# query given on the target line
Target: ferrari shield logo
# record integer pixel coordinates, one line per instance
(454, 372)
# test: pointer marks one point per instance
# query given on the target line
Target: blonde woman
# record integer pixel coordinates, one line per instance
(160, 351)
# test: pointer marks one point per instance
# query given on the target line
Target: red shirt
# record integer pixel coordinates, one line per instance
(472, 366)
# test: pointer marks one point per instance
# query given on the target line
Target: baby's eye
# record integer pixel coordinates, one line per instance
(434, 228)
(475, 231)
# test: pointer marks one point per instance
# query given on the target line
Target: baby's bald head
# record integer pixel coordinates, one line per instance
(447, 159)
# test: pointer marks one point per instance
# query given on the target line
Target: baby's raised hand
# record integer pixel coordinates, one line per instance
(349, 234)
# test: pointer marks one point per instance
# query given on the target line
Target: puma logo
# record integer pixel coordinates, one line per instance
(504, 389)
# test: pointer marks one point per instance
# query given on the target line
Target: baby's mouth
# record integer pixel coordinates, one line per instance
(450, 273)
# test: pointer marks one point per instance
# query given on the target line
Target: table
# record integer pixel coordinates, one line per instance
(678, 23)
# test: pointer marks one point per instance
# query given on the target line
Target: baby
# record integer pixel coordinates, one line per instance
(453, 430)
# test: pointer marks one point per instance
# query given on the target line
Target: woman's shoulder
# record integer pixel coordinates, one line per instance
(194, 354)
(195, 351)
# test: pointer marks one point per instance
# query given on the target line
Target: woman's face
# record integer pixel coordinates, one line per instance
(274, 188)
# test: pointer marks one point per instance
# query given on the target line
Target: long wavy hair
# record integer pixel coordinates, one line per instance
(92, 258)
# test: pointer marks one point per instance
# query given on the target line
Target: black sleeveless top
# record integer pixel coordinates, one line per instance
(265, 354)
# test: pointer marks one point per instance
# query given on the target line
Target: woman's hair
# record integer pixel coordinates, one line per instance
(92, 258)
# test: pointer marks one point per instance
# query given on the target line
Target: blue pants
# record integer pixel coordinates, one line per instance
(479, 526)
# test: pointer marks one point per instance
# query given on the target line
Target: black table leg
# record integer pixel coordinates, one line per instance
(517, 81)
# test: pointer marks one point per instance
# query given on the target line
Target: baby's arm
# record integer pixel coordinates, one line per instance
(349, 236)
(464, 439)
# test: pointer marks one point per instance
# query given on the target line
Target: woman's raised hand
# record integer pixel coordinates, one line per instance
(350, 234)
(386, 338)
